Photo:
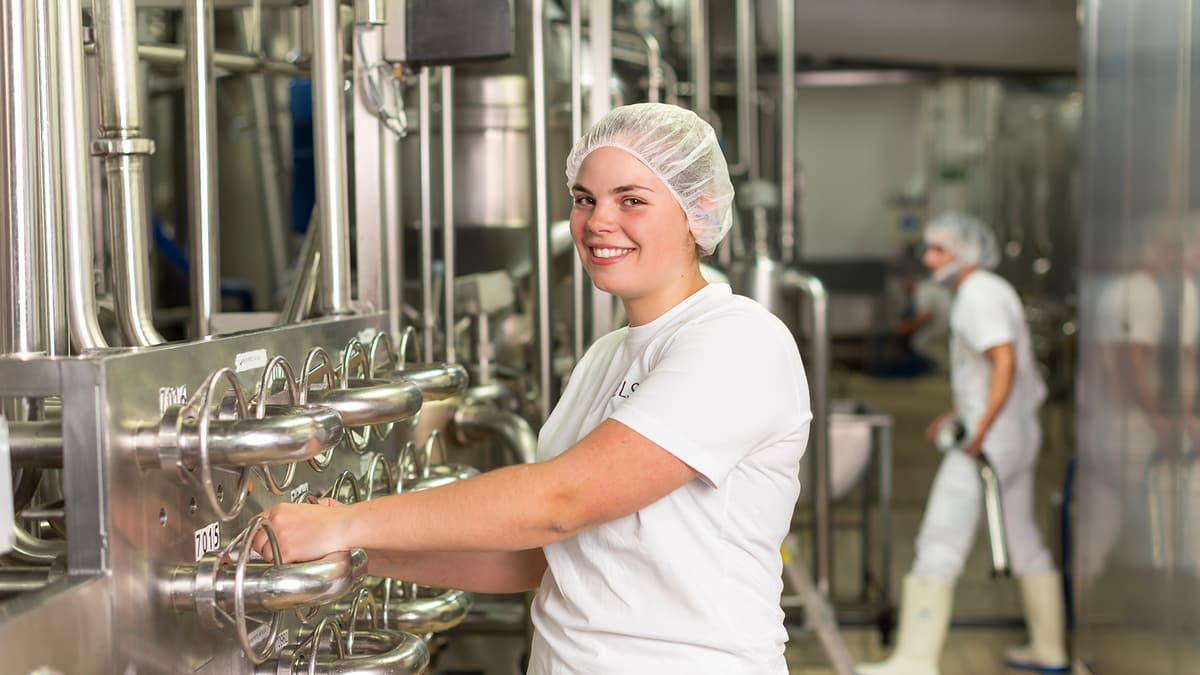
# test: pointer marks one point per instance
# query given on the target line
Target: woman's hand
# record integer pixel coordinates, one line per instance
(304, 531)
(932, 429)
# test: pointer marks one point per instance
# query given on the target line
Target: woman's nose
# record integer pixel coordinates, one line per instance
(599, 220)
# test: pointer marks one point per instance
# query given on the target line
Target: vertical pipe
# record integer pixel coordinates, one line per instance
(577, 274)
(426, 144)
(76, 182)
(818, 367)
(199, 95)
(393, 230)
(20, 302)
(298, 305)
(369, 192)
(448, 208)
(49, 130)
(600, 31)
(701, 77)
(747, 88)
(329, 145)
(541, 203)
(787, 130)
(654, 78)
(124, 151)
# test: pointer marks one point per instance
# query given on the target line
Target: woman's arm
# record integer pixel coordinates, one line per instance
(612, 472)
(477, 572)
(1003, 360)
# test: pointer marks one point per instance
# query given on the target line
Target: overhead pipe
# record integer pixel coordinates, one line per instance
(425, 142)
(577, 274)
(36, 445)
(600, 31)
(810, 287)
(448, 210)
(329, 145)
(541, 202)
(199, 95)
(788, 239)
(21, 305)
(78, 228)
(49, 167)
(124, 153)
(701, 76)
(747, 87)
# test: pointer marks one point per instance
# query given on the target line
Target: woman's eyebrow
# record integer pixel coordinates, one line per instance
(579, 188)
(630, 188)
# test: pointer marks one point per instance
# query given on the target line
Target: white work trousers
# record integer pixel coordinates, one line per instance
(955, 505)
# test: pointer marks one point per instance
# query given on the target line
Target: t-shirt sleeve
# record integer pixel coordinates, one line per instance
(983, 322)
(720, 390)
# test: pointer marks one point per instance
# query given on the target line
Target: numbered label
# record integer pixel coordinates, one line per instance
(170, 396)
(250, 360)
(208, 539)
(298, 492)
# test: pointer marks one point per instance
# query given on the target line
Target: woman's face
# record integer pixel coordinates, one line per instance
(631, 234)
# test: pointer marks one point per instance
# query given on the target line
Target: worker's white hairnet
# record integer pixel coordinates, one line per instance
(681, 149)
(966, 237)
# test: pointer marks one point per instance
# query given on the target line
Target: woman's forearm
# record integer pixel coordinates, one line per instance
(477, 572)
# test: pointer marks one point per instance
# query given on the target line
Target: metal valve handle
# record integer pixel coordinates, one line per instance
(382, 652)
(379, 463)
(355, 355)
(345, 479)
(291, 388)
(317, 362)
(201, 407)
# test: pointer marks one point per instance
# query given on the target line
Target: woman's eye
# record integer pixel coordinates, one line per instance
(633, 201)
(581, 200)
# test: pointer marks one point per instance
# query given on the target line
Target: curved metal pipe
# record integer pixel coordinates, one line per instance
(35, 550)
(15, 580)
(124, 151)
(386, 653)
(82, 313)
(437, 381)
(267, 587)
(474, 422)
(428, 615)
(371, 401)
(818, 367)
(329, 145)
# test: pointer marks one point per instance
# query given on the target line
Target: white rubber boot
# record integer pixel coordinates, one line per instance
(1042, 596)
(924, 619)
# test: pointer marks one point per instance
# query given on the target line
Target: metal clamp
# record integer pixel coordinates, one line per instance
(354, 348)
(122, 146)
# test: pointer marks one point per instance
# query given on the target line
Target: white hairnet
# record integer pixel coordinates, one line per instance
(966, 237)
(681, 149)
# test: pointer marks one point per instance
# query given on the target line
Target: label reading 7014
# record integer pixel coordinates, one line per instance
(208, 539)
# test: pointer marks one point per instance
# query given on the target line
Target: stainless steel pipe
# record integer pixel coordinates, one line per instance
(479, 422)
(299, 303)
(425, 141)
(448, 210)
(600, 20)
(701, 76)
(21, 304)
(423, 615)
(49, 169)
(993, 508)
(810, 287)
(369, 401)
(787, 130)
(266, 587)
(78, 232)
(225, 60)
(541, 206)
(329, 146)
(437, 381)
(23, 579)
(199, 95)
(124, 151)
(577, 275)
(36, 445)
(747, 90)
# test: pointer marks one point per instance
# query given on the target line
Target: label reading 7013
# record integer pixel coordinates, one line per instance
(208, 539)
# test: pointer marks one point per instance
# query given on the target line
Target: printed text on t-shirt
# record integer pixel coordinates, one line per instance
(626, 388)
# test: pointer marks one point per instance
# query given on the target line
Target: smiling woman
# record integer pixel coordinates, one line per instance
(666, 475)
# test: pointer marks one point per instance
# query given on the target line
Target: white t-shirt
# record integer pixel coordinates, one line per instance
(691, 583)
(986, 312)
